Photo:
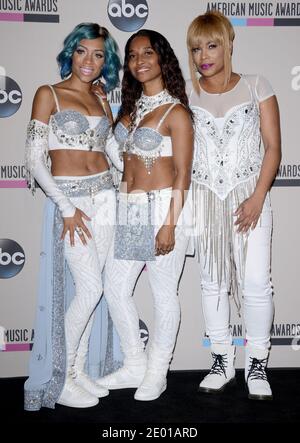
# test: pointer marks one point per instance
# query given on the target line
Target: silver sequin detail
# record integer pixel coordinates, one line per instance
(134, 236)
(33, 400)
(110, 364)
(215, 233)
(36, 146)
(87, 187)
(142, 141)
(56, 384)
(147, 139)
(72, 129)
(71, 122)
(47, 397)
(120, 134)
(225, 172)
(223, 160)
(37, 133)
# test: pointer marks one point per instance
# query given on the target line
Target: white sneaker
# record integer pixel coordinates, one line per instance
(91, 386)
(125, 377)
(222, 372)
(255, 374)
(153, 385)
(75, 397)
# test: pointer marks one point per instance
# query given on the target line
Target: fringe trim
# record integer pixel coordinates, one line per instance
(216, 235)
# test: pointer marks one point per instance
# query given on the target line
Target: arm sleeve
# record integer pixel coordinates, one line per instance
(263, 89)
(37, 166)
(113, 151)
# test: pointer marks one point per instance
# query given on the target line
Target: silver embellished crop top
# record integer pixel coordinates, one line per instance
(145, 139)
(147, 143)
(227, 134)
(66, 130)
(70, 129)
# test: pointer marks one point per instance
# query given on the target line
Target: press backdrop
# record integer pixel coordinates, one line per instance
(31, 35)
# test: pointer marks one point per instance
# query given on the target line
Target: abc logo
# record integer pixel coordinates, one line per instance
(12, 258)
(128, 15)
(10, 96)
(144, 333)
(296, 78)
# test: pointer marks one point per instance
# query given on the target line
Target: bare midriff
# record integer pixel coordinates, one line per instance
(137, 179)
(67, 162)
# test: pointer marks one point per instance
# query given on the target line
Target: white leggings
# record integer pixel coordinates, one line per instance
(163, 273)
(256, 289)
(86, 263)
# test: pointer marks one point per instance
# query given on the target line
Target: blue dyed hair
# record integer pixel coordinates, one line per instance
(90, 31)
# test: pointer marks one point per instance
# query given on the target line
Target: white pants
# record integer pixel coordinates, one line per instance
(164, 274)
(256, 290)
(86, 263)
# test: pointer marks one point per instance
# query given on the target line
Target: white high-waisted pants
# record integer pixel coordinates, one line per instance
(86, 263)
(163, 273)
(256, 289)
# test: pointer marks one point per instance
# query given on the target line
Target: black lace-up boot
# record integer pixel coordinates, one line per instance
(255, 374)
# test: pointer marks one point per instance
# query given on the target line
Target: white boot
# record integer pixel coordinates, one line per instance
(155, 380)
(129, 376)
(222, 371)
(74, 396)
(88, 384)
(79, 375)
(152, 386)
(255, 374)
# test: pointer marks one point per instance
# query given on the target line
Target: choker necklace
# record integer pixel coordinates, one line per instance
(147, 103)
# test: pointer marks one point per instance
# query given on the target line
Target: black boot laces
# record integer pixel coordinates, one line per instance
(257, 369)
(219, 365)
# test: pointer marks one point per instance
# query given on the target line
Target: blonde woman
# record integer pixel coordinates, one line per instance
(233, 216)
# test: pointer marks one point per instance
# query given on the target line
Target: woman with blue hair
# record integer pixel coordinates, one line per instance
(68, 130)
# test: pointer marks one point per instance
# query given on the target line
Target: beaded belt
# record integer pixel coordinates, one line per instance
(143, 197)
(86, 186)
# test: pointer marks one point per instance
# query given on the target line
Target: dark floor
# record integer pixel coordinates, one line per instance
(180, 405)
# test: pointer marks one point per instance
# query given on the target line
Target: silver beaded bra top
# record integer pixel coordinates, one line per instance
(69, 129)
(144, 139)
(147, 143)
(73, 130)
